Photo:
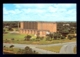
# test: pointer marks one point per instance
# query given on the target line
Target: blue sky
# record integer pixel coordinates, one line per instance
(39, 12)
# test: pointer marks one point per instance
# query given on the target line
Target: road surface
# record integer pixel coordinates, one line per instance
(68, 48)
(41, 51)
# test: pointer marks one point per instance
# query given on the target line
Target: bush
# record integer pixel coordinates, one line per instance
(17, 30)
(7, 41)
(27, 37)
(26, 50)
(50, 35)
(41, 38)
(12, 39)
(48, 39)
(62, 37)
(32, 39)
(70, 37)
(11, 46)
(37, 38)
(10, 29)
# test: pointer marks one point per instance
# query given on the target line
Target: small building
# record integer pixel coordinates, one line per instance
(66, 24)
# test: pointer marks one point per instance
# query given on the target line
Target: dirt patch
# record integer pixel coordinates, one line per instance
(49, 41)
(35, 43)
(8, 52)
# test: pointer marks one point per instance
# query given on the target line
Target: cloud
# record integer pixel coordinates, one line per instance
(5, 11)
(41, 12)
(52, 9)
(32, 5)
(16, 11)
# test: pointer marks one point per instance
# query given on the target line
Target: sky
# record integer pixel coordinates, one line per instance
(39, 12)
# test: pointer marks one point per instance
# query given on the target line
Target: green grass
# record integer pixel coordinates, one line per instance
(74, 50)
(20, 38)
(52, 48)
(15, 36)
(14, 50)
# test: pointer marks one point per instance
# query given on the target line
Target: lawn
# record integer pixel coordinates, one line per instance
(75, 50)
(8, 50)
(15, 36)
(19, 38)
(52, 48)
(11, 50)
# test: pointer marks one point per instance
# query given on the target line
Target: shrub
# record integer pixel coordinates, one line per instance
(11, 46)
(70, 37)
(27, 37)
(50, 35)
(10, 29)
(48, 39)
(27, 50)
(41, 38)
(12, 39)
(7, 41)
(33, 39)
(17, 30)
(37, 38)
(62, 37)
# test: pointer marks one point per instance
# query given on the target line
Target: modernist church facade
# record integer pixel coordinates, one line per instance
(41, 28)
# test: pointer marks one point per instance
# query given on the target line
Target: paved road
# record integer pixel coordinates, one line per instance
(37, 45)
(41, 51)
(68, 48)
(22, 46)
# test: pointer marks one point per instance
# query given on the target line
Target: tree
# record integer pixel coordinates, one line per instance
(49, 35)
(65, 32)
(62, 37)
(70, 37)
(27, 37)
(41, 38)
(38, 38)
(10, 29)
(26, 50)
(48, 38)
(57, 35)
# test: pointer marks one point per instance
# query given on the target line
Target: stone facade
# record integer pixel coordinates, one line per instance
(37, 27)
